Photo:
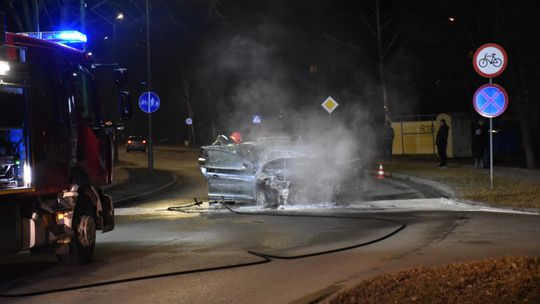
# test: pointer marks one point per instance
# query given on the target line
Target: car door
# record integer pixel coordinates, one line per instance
(229, 176)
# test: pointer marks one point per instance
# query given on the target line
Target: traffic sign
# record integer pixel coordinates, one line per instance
(189, 121)
(257, 119)
(490, 100)
(490, 60)
(330, 105)
(149, 102)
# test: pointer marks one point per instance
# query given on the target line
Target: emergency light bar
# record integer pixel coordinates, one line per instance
(63, 37)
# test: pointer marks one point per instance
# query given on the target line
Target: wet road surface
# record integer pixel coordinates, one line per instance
(151, 255)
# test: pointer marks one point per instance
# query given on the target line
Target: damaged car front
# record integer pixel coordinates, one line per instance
(270, 173)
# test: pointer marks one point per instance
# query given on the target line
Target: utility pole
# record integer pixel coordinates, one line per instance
(149, 89)
(191, 128)
(36, 14)
(82, 12)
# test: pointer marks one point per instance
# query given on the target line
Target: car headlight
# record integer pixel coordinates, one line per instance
(27, 171)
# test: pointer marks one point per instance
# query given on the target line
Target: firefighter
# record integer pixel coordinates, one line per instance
(236, 137)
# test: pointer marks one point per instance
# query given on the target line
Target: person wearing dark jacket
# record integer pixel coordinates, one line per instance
(388, 141)
(480, 141)
(441, 141)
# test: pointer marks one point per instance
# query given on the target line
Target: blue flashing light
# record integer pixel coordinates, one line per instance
(64, 37)
(72, 36)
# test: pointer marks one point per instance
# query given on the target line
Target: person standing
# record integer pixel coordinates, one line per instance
(388, 141)
(480, 140)
(441, 141)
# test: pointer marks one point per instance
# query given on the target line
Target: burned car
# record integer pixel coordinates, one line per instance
(272, 172)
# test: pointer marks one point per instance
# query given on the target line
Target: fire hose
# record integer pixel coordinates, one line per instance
(264, 257)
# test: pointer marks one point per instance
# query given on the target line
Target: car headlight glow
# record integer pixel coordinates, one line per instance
(27, 171)
(4, 68)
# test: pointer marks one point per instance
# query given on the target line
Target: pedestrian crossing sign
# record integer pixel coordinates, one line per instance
(257, 119)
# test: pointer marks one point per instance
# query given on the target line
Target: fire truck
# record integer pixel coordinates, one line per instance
(55, 147)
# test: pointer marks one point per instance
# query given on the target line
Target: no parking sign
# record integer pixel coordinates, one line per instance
(490, 100)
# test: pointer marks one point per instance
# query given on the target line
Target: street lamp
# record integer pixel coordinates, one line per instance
(119, 16)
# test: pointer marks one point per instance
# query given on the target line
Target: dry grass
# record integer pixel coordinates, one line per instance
(502, 280)
(473, 184)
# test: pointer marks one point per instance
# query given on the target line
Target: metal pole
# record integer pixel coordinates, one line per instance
(36, 10)
(402, 137)
(490, 148)
(330, 124)
(149, 88)
(115, 50)
(491, 152)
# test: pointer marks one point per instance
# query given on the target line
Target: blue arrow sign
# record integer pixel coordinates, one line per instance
(149, 102)
(490, 100)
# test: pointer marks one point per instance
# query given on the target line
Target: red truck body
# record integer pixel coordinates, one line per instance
(55, 150)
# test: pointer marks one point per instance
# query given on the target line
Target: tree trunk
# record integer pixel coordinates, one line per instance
(381, 61)
(526, 138)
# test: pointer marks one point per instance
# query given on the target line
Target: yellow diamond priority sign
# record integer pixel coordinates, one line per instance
(330, 105)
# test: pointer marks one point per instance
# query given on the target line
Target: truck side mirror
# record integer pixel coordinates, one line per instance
(121, 77)
(124, 104)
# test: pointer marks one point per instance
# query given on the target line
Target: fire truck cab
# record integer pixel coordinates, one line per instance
(55, 148)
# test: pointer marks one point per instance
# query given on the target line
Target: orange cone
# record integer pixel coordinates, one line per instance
(380, 172)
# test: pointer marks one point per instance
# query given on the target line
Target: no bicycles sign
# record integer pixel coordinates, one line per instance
(490, 60)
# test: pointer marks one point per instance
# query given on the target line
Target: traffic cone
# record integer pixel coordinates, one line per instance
(380, 172)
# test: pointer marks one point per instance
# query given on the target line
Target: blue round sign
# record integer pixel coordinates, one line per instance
(490, 100)
(149, 102)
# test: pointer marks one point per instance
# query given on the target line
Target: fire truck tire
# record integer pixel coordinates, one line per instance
(81, 248)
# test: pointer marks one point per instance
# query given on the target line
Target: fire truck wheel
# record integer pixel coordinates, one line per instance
(81, 248)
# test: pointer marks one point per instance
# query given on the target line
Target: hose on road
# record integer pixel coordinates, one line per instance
(264, 257)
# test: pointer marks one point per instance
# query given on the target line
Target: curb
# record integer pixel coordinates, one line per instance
(116, 183)
(148, 193)
(439, 186)
(451, 194)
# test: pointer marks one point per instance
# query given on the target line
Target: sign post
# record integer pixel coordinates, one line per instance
(149, 103)
(490, 100)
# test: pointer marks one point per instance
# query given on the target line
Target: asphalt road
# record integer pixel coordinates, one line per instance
(151, 255)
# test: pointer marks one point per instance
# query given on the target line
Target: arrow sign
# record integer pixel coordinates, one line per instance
(149, 102)
(490, 100)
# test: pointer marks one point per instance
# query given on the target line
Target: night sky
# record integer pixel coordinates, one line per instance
(232, 59)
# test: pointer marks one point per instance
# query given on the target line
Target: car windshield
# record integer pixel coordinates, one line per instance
(136, 138)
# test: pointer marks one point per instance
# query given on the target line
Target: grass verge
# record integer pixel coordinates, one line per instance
(472, 184)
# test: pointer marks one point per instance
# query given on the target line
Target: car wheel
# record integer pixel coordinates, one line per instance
(267, 197)
(81, 248)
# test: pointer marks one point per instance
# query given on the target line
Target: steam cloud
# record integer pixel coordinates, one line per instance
(256, 79)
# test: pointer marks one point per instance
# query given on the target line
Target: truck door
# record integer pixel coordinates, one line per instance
(48, 121)
(94, 141)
